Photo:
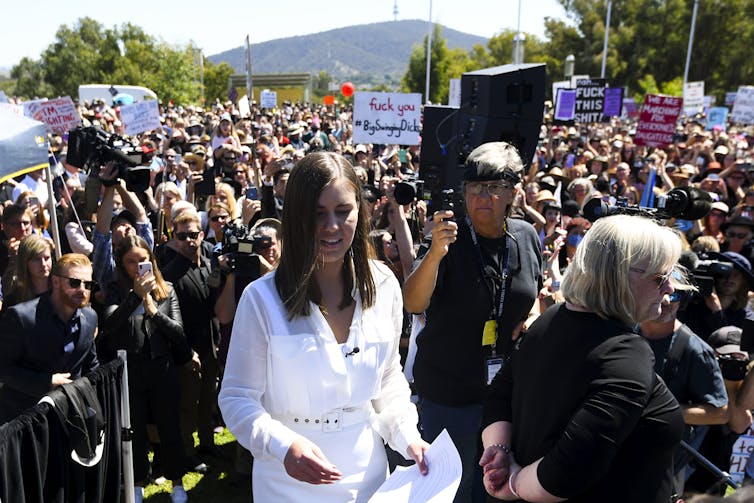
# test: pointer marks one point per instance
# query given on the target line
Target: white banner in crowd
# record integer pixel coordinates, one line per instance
(387, 118)
(59, 114)
(693, 97)
(140, 117)
(268, 99)
(743, 107)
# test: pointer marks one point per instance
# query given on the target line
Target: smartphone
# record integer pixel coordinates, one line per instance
(145, 267)
(252, 193)
(713, 177)
(178, 159)
(33, 201)
(570, 159)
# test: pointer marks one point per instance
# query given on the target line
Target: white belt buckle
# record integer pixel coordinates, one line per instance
(333, 421)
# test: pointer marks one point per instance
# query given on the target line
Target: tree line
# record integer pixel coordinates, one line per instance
(646, 53)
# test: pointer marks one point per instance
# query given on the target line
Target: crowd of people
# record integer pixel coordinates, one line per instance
(533, 335)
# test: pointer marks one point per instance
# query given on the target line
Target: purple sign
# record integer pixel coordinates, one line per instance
(565, 105)
(613, 102)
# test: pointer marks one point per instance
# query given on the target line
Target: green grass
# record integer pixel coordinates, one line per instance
(221, 484)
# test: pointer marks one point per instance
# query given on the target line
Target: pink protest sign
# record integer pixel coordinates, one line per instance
(59, 114)
(657, 120)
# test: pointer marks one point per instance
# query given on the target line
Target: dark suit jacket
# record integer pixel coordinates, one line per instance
(31, 350)
(197, 301)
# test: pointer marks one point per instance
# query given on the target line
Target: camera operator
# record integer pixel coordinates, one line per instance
(739, 384)
(727, 303)
(689, 367)
(477, 282)
(110, 229)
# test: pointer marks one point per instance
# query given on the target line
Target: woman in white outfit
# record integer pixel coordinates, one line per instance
(313, 383)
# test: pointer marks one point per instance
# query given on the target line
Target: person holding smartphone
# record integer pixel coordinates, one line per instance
(142, 316)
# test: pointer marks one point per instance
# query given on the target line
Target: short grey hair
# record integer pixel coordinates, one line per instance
(490, 161)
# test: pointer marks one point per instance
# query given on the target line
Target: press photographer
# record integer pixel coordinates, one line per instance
(726, 303)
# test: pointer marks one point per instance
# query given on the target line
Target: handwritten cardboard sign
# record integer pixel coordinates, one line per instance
(386, 118)
(140, 117)
(657, 120)
(59, 114)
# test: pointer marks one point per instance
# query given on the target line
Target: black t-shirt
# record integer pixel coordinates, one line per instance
(581, 392)
(449, 368)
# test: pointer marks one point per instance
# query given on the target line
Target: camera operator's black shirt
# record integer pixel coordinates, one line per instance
(449, 368)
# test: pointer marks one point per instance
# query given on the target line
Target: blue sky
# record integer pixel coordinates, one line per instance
(28, 28)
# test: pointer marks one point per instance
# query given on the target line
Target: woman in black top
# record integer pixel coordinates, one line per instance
(143, 317)
(477, 283)
(579, 414)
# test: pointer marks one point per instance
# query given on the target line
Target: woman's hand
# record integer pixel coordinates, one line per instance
(249, 208)
(304, 461)
(144, 284)
(444, 233)
(497, 468)
(416, 451)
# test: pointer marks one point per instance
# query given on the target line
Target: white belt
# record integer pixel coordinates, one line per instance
(334, 420)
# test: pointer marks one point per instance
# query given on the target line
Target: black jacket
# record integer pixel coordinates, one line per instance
(160, 335)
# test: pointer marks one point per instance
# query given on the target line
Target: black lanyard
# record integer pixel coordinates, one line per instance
(480, 259)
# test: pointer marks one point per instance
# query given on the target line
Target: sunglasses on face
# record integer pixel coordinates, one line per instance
(76, 283)
(659, 279)
(229, 158)
(217, 218)
(183, 236)
(493, 189)
(736, 235)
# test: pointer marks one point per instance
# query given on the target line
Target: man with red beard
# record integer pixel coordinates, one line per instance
(48, 341)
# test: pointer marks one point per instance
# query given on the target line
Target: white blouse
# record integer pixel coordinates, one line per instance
(279, 369)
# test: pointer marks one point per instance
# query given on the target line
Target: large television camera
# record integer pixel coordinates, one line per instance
(91, 147)
(242, 247)
(687, 203)
(704, 270)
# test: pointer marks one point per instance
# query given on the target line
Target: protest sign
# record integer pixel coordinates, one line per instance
(629, 109)
(140, 117)
(575, 80)
(59, 114)
(387, 118)
(743, 107)
(693, 97)
(268, 99)
(590, 98)
(739, 456)
(730, 98)
(565, 104)
(613, 102)
(717, 117)
(3, 97)
(657, 120)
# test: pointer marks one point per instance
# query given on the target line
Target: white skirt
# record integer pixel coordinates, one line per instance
(357, 451)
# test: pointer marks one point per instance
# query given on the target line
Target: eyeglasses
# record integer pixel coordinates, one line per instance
(239, 172)
(737, 235)
(717, 214)
(217, 218)
(76, 283)
(229, 157)
(659, 279)
(493, 189)
(183, 236)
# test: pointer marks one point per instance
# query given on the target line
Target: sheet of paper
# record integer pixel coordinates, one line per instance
(407, 485)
